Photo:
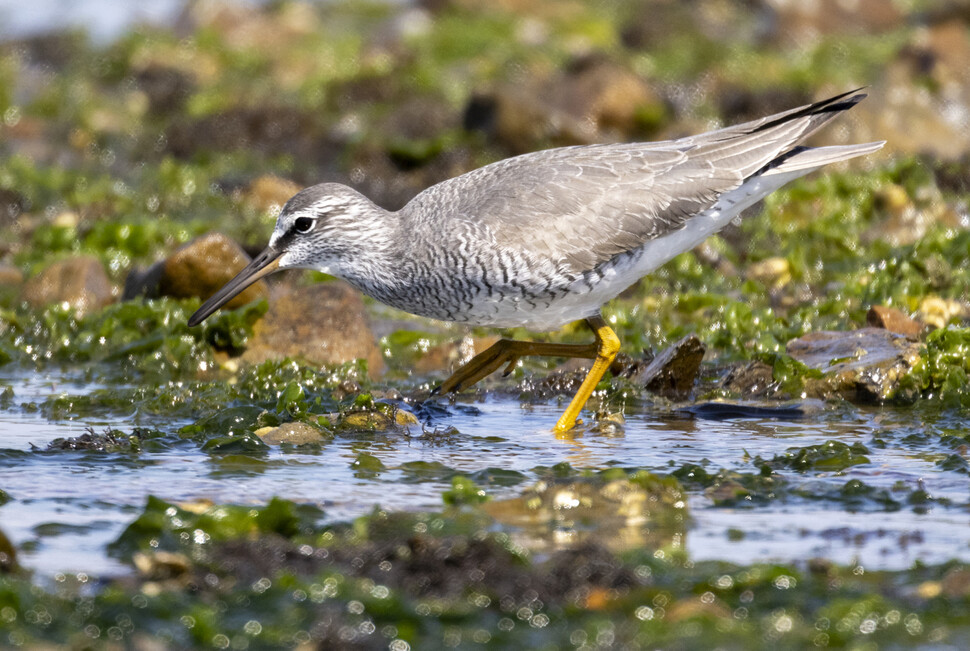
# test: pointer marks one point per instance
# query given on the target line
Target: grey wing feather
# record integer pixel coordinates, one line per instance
(581, 206)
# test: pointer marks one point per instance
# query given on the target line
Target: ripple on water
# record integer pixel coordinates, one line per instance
(94, 496)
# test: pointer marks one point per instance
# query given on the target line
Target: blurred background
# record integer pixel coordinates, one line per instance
(210, 114)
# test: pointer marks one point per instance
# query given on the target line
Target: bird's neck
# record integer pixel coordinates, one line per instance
(373, 253)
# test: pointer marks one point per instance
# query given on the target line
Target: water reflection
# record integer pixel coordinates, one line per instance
(506, 447)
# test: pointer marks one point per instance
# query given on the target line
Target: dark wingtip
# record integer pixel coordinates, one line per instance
(834, 104)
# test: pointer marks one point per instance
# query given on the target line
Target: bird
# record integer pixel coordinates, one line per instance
(545, 238)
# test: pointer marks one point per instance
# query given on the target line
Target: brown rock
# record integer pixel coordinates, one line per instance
(864, 365)
(889, 318)
(292, 433)
(80, 282)
(672, 372)
(321, 324)
(203, 266)
(269, 193)
(754, 379)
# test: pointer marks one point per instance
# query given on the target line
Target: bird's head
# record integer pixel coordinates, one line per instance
(319, 228)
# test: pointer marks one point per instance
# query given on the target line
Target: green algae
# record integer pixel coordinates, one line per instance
(275, 565)
(942, 372)
(136, 199)
(828, 456)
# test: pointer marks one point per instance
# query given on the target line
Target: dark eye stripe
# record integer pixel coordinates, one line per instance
(304, 224)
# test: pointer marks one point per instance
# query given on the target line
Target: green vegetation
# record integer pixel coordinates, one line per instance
(128, 150)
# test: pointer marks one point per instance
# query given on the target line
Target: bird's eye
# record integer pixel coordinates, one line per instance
(303, 225)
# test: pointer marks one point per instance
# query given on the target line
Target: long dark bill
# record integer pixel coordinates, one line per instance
(262, 265)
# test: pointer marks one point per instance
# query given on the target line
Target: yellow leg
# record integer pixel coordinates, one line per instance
(608, 345)
(508, 351)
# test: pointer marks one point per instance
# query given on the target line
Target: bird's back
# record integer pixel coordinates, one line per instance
(547, 237)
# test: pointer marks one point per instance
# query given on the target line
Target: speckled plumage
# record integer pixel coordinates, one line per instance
(548, 237)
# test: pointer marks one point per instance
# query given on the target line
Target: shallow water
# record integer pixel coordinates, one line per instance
(67, 506)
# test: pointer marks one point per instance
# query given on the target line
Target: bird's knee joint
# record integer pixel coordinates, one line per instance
(609, 344)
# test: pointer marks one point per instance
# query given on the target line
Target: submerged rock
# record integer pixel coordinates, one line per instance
(863, 365)
(203, 266)
(321, 324)
(672, 373)
(751, 380)
(81, 283)
(292, 433)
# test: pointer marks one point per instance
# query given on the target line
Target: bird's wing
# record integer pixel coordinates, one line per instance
(582, 206)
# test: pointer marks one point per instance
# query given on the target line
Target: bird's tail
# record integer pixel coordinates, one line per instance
(808, 159)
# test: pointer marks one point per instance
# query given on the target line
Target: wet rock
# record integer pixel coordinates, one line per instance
(110, 440)
(751, 380)
(595, 100)
(203, 266)
(889, 318)
(166, 88)
(384, 418)
(8, 555)
(321, 324)
(626, 513)
(672, 373)
(269, 193)
(79, 282)
(863, 365)
(291, 433)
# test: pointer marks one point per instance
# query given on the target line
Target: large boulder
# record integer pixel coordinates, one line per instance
(321, 324)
